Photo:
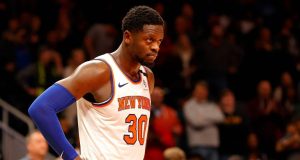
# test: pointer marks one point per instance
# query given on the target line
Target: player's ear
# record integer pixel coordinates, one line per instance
(127, 36)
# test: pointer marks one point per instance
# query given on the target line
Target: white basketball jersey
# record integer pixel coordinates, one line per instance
(117, 128)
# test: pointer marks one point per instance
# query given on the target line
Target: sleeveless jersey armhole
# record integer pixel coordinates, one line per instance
(112, 83)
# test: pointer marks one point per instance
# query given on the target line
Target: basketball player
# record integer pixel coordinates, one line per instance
(113, 121)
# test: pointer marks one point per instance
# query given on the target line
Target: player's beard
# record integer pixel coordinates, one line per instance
(143, 62)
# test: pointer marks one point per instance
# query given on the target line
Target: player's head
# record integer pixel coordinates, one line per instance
(143, 31)
(139, 16)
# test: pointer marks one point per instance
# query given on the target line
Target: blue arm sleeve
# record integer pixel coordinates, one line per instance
(43, 112)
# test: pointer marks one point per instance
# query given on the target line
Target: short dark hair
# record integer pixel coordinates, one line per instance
(139, 16)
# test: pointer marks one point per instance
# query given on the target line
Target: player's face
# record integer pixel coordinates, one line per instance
(146, 44)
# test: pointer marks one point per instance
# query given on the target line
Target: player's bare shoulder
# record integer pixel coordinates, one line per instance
(151, 79)
(88, 77)
(93, 68)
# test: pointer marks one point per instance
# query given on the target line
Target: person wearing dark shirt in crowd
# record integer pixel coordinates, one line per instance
(233, 130)
(285, 95)
(35, 78)
(218, 59)
(9, 87)
(254, 148)
(263, 115)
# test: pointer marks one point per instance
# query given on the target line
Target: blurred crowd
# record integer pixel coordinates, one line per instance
(227, 74)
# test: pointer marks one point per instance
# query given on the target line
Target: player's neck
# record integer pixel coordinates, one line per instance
(127, 64)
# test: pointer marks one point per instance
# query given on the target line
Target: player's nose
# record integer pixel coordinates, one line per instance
(155, 47)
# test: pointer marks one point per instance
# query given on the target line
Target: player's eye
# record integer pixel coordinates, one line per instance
(149, 40)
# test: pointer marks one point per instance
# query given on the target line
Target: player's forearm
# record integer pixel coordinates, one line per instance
(43, 112)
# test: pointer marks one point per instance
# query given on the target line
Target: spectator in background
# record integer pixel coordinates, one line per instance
(264, 118)
(9, 86)
(285, 95)
(187, 12)
(10, 34)
(165, 120)
(181, 65)
(77, 57)
(264, 42)
(37, 147)
(218, 58)
(184, 49)
(25, 18)
(34, 35)
(51, 40)
(180, 26)
(100, 38)
(287, 38)
(165, 127)
(174, 153)
(264, 57)
(63, 31)
(288, 146)
(233, 130)
(202, 117)
(178, 58)
(236, 61)
(35, 78)
(254, 150)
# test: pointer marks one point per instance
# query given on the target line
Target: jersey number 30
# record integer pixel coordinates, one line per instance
(137, 128)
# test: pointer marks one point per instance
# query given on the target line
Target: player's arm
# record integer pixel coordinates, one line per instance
(151, 79)
(87, 78)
